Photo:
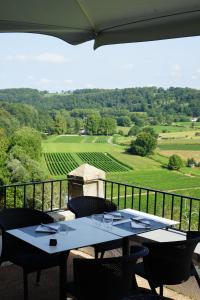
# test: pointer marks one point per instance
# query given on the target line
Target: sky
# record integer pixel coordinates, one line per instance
(47, 63)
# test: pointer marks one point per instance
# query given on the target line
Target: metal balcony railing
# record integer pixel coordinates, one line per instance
(184, 209)
(45, 195)
(52, 195)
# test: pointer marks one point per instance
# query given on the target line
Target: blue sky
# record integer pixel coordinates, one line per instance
(47, 63)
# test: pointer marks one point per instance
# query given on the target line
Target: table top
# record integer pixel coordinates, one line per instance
(125, 227)
(83, 232)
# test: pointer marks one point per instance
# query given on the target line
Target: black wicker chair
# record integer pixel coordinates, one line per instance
(19, 252)
(88, 205)
(106, 278)
(169, 262)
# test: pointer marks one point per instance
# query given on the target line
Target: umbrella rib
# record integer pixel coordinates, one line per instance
(149, 19)
(47, 26)
(84, 11)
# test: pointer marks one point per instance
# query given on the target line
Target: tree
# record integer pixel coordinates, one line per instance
(77, 125)
(175, 162)
(60, 123)
(144, 144)
(29, 140)
(151, 131)
(134, 130)
(124, 121)
(92, 124)
(107, 126)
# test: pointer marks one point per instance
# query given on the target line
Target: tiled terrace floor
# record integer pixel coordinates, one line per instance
(11, 284)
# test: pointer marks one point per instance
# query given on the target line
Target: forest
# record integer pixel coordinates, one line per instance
(98, 111)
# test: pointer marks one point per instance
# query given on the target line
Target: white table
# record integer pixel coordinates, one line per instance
(84, 232)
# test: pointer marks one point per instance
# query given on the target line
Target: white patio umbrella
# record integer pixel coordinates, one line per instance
(104, 21)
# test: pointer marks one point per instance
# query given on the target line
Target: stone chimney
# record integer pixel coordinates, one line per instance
(84, 181)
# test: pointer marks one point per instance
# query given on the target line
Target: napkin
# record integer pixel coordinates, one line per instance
(121, 222)
(113, 216)
(140, 225)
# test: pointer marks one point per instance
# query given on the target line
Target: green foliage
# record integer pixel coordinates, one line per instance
(124, 121)
(134, 130)
(144, 144)
(100, 125)
(30, 140)
(92, 124)
(175, 162)
(8, 122)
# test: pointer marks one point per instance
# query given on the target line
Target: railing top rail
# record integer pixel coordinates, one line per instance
(150, 189)
(32, 183)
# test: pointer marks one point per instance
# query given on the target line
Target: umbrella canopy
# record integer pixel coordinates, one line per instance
(104, 21)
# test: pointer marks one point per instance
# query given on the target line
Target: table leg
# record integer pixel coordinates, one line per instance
(125, 246)
(63, 276)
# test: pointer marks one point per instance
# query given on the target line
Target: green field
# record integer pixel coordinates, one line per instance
(192, 147)
(149, 172)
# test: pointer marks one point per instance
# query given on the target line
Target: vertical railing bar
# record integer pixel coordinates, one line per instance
(180, 216)
(139, 204)
(60, 195)
(155, 203)
(132, 197)
(34, 195)
(43, 196)
(172, 208)
(5, 197)
(163, 205)
(199, 218)
(125, 192)
(24, 196)
(111, 192)
(147, 207)
(118, 194)
(67, 190)
(51, 195)
(190, 214)
(15, 190)
(105, 190)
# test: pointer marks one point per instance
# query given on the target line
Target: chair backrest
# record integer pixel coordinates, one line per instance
(107, 278)
(170, 262)
(11, 218)
(88, 205)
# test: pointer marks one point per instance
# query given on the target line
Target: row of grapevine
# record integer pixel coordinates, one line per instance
(102, 161)
(101, 139)
(60, 163)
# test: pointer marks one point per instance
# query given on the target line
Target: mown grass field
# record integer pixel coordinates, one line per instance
(189, 147)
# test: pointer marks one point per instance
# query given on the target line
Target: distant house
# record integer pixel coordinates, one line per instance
(83, 132)
(194, 119)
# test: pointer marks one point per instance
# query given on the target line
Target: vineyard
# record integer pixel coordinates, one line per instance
(102, 161)
(60, 163)
(101, 139)
(63, 163)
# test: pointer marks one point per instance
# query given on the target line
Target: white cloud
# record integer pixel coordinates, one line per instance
(198, 71)
(43, 58)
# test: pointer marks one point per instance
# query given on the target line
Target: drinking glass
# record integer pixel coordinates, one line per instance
(97, 220)
(107, 223)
